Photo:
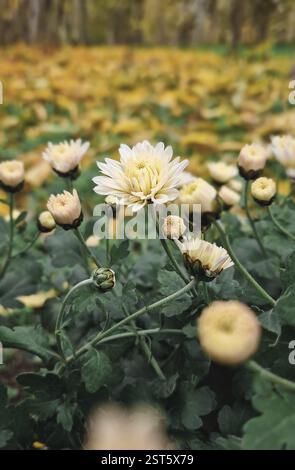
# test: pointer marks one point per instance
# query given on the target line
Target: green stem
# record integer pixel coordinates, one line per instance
(278, 225)
(206, 294)
(69, 184)
(251, 221)
(86, 248)
(61, 314)
(240, 266)
(276, 379)
(28, 247)
(101, 335)
(140, 333)
(11, 235)
(145, 348)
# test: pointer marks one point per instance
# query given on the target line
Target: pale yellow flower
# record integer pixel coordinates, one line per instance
(221, 172)
(252, 160)
(173, 227)
(144, 174)
(114, 428)
(65, 208)
(204, 258)
(46, 222)
(283, 148)
(264, 190)
(229, 332)
(199, 192)
(66, 156)
(235, 185)
(228, 196)
(12, 174)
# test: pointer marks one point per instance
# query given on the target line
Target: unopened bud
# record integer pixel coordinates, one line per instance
(104, 278)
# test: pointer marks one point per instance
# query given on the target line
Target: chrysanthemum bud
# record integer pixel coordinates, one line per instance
(173, 227)
(229, 197)
(203, 259)
(264, 191)
(65, 157)
(104, 278)
(252, 160)
(221, 172)
(283, 148)
(46, 222)
(12, 175)
(66, 209)
(235, 185)
(229, 332)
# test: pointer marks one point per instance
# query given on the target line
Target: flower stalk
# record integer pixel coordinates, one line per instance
(278, 225)
(240, 266)
(11, 236)
(251, 221)
(270, 376)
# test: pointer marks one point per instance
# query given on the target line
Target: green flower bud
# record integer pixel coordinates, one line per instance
(104, 278)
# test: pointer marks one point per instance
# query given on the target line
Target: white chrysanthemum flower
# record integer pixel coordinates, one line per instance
(229, 196)
(199, 192)
(173, 227)
(12, 174)
(186, 178)
(229, 332)
(46, 222)
(252, 160)
(283, 148)
(114, 428)
(204, 258)
(221, 172)
(235, 185)
(65, 209)
(264, 190)
(144, 174)
(66, 156)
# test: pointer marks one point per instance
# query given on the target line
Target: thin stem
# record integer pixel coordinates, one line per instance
(86, 248)
(11, 235)
(278, 225)
(167, 248)
(206, 294)
(61, 314)
(276, 379)
(101, 335)
(251, 221)
(69, 184)
(145, 348)
(140, 333)
(240, 266)
(28, 247)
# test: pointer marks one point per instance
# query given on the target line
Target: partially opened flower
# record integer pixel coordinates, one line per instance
(65, 157)
(229, 332)
(221, 172)
(66, 209)
(173, 227)
(283, 148)
(229, 197)
(12, 175)
(199, 192)
(204, 259)
(264, 191)
(114, 428)
(46, 222)
(235, 185)
(252, 160)
(145, 174)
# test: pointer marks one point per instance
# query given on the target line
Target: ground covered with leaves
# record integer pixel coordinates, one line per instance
(207, 106)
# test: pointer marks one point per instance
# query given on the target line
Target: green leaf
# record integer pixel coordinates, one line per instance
(119, 252)
(197, 403)
(284, 308)
(65, 413)
(96, 370)
(26, 338)
(5, 436)
(274, 428)
(170, 283)
(232, 419)
(165, 388)
(271, 322)
(47, 386)
(20, 218)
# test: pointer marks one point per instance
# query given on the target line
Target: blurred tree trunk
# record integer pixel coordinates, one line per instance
(236, 21)
(80, 21)
(33, 15)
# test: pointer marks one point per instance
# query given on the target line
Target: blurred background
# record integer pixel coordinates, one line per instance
(148, 22)
(205, 76)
